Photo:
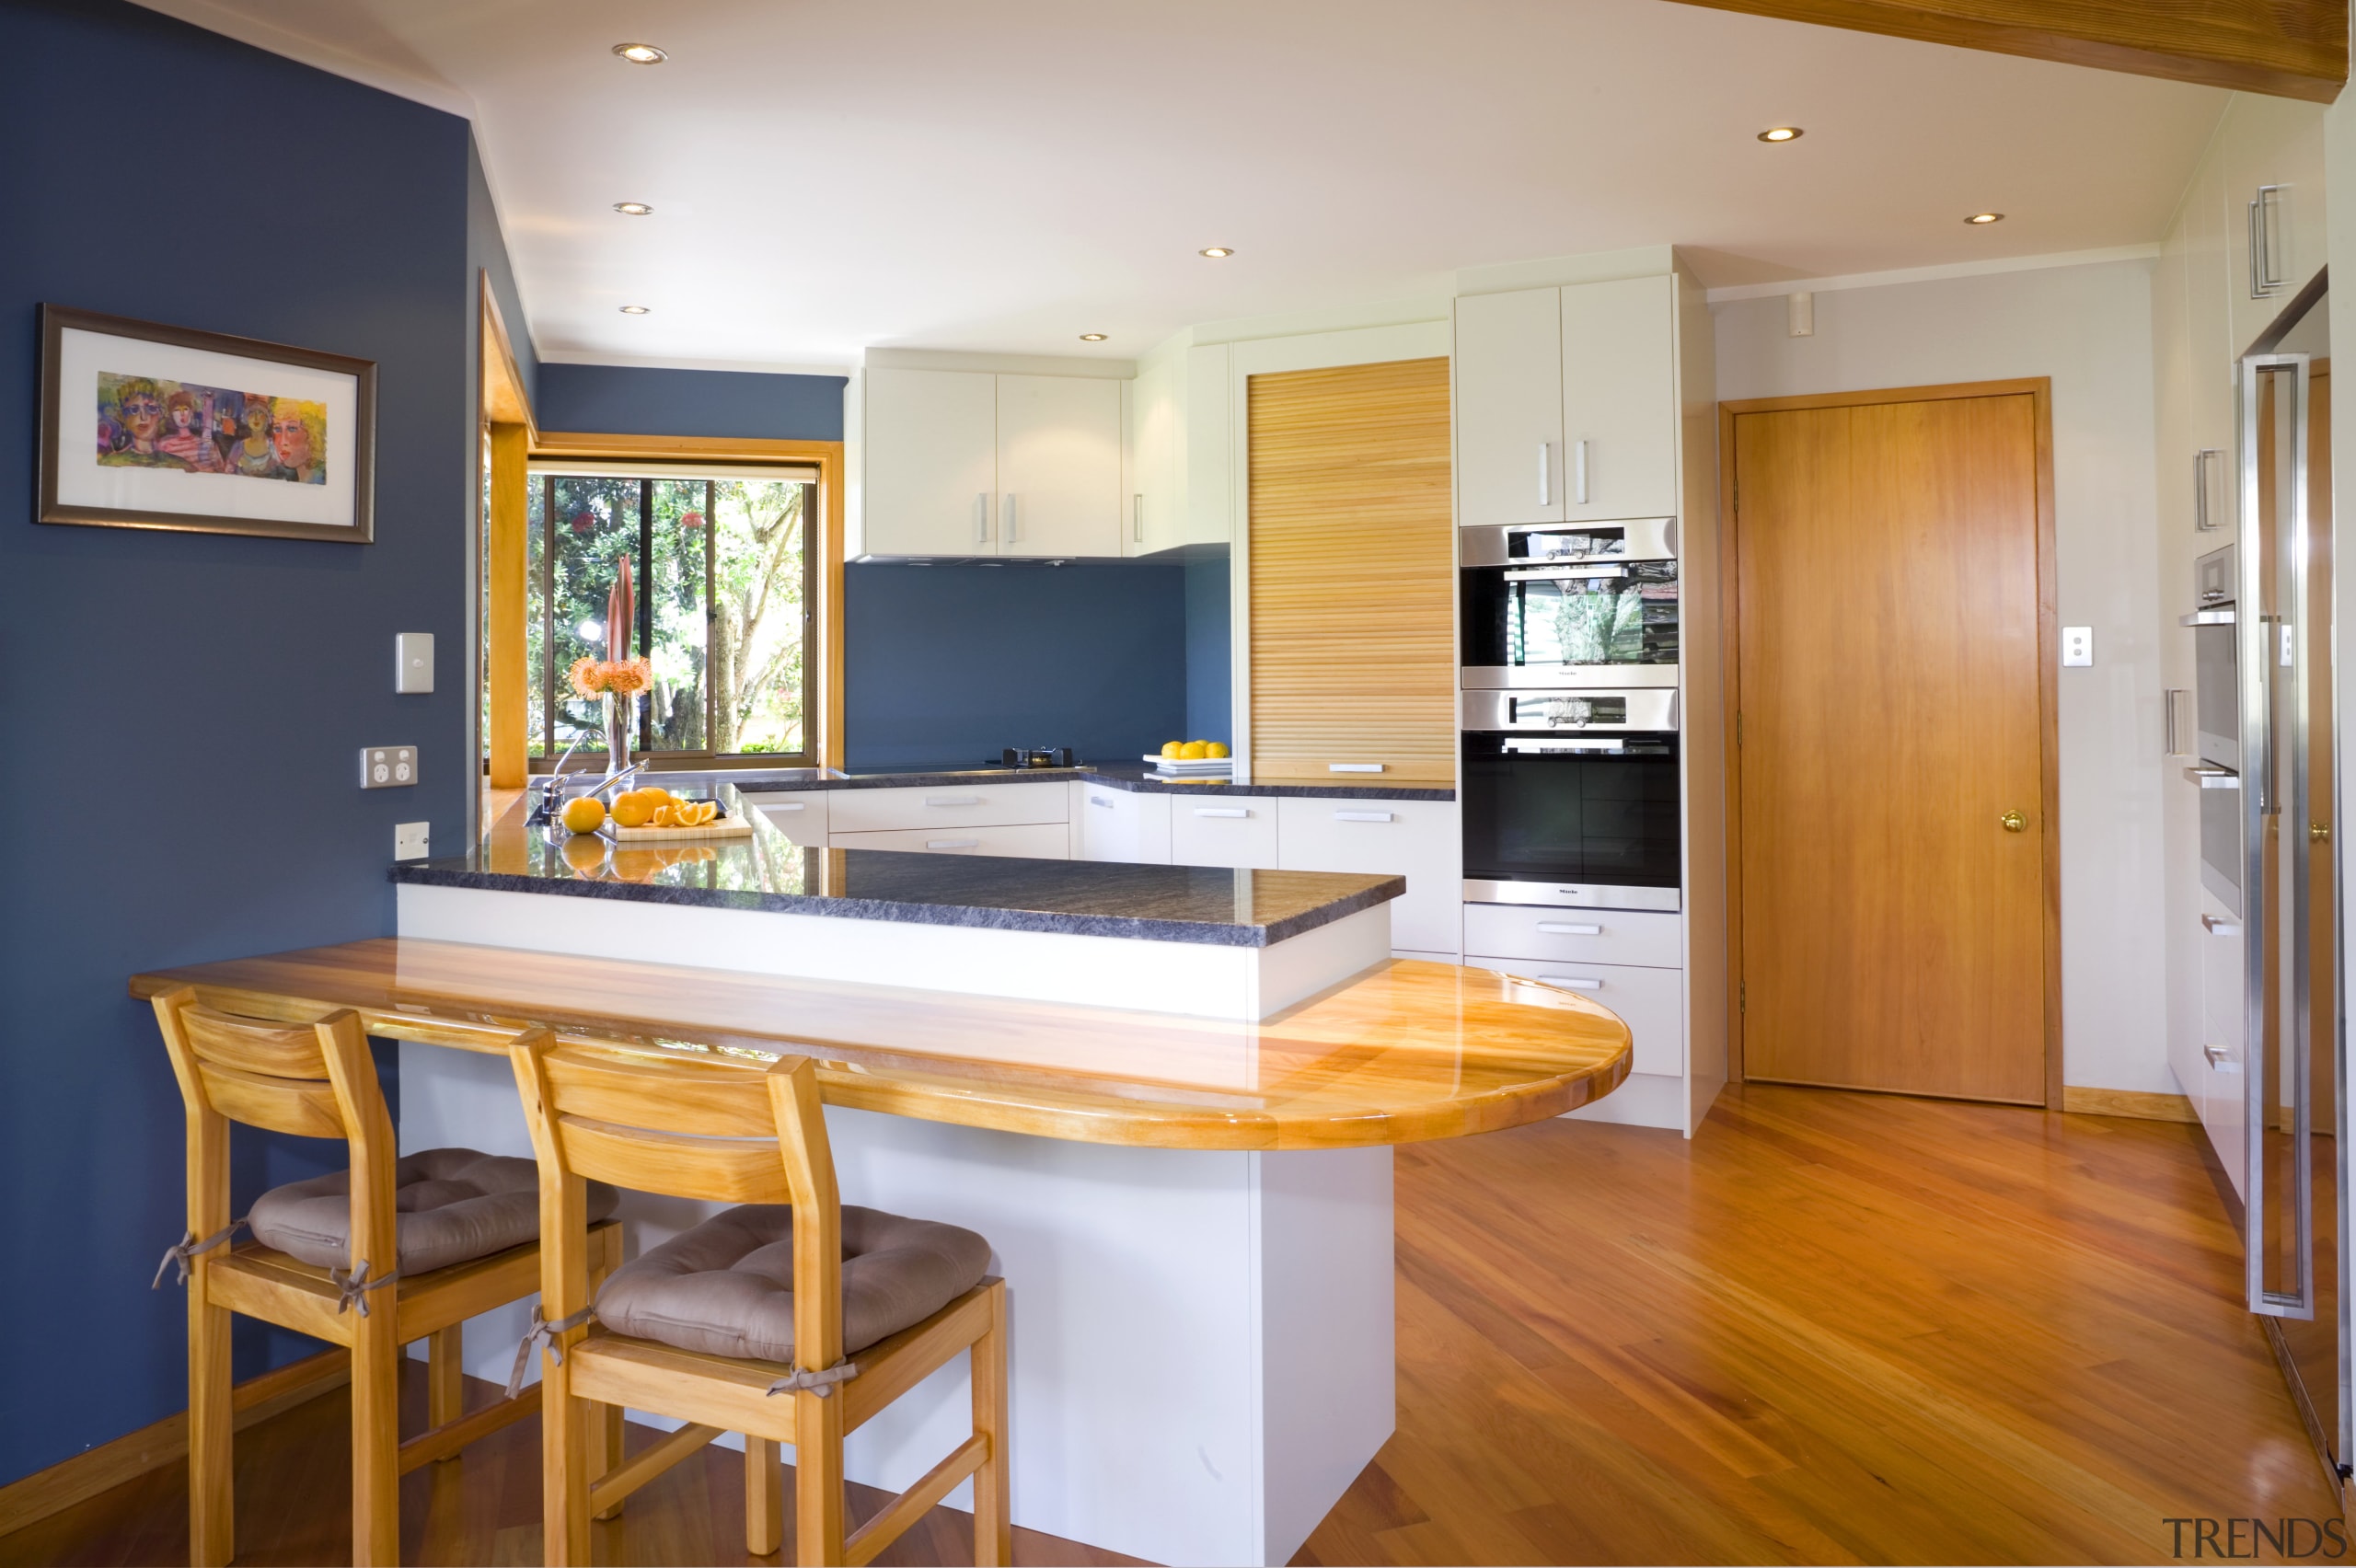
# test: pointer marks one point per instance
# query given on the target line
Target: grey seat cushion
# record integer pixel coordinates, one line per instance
(452, 1205)
(726, 1286)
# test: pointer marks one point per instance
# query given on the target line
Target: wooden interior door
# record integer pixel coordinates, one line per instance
(1352, 573)
(1893, 712)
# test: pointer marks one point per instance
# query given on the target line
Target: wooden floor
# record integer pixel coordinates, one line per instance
(1835, 1327)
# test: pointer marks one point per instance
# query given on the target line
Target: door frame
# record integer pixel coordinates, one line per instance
(2040, 389)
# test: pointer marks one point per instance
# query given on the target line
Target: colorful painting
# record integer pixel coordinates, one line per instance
(146, 421)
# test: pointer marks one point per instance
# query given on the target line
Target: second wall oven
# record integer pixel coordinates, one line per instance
(1570, 797)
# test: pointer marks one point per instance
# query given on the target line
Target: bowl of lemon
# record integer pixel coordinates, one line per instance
(652, 816)
(1193, 759)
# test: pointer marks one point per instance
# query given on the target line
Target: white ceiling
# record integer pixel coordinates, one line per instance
(834, 175)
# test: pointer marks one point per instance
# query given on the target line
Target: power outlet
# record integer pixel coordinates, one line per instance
(410, 840)
(388, 767)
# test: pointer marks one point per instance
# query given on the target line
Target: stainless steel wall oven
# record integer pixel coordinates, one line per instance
(1570, 797)
(1570, 605)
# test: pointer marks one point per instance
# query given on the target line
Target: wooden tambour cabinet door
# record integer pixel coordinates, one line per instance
(1352, 574)
(928, 451)
(1508, 370)
(1620, 399)
(1893, 926)
(1058, 466)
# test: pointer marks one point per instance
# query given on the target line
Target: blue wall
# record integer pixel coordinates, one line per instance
(615, 399)
(194, 704)
(1210, 655)
(948, 664)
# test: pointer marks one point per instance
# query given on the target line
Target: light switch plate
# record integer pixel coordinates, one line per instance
(2077, 646)
(413, 662)
(388, 767)
(410, 840)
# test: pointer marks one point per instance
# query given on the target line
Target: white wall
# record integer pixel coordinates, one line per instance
(2089, 327)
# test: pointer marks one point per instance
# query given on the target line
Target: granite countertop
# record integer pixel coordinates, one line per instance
(1212, 904)
(1132, 775)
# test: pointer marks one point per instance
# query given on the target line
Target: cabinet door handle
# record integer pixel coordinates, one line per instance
(952, 800)
(1010, 517)
(1354, 767)
(789, 806)
(1561, 928)
(1362, 816)
(2220, 1059)
(1221, 811)
(1100, 800)
(1579, 473)
(2204, 517)
(1545, 473)
(2218, 926)
(1136, 519)
(952, 843)
(982, 518)
(2262, 208)
(1575, 981)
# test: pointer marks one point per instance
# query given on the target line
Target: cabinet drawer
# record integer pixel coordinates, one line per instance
(800, 815)
(1586, 936)
(1651, 1002)
(948, 805)
(1033, 841)
(1232, 830)
(1415, 839)
(1119, 825)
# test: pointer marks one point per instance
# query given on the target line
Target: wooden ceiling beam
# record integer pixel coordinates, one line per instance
(2285, 48)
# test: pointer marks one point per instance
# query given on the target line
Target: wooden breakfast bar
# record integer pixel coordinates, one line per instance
(1193, 1213)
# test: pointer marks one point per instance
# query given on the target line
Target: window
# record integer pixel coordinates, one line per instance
(721, 562)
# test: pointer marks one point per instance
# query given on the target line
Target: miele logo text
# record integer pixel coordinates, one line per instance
(2289, 1540)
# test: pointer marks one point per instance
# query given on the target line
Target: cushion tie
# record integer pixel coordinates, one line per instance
(819, 1383)
(544, 1332)
(189, 1247)
(355, 1284)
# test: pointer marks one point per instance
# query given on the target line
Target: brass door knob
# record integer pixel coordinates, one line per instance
(2319, 833)
(2014, 822)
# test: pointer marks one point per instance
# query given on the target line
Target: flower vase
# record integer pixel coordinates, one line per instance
(620, 710)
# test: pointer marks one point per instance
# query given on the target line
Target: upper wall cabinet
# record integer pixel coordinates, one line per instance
(2274, 207)
(1567, 403)
(1179, 439)
(966, 463)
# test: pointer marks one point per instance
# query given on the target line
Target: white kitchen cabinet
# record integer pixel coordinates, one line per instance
(1508, 372)
(1620, 399)
(1651, 1002)
(1030, 841)
(1058, 466)
(1178, 435)
(1414, 839)
(1647, 939)
(2273, 177)
(1119, 825)
(925, 807)
(800, 815)
(2218, 1093)
(1224, 830)
(927, 462)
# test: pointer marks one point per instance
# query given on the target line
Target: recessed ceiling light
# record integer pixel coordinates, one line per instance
(635, 310)
(1781, 134)
(1091, 337)
(640, 53)
(633, 209)
(1215, 251)
(1985, 218)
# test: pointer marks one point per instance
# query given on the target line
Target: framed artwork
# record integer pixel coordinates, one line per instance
(148, 426)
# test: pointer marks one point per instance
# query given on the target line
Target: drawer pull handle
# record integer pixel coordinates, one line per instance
(1221, 811)
(1560, 928)
(952, 800)
(1354, 767)
(790, 806)
(1575, 981)
(1362, 816)
(952, 843)
(2218, 926)
(1100, 800)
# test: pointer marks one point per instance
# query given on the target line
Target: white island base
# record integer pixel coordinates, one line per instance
(1202, 1342)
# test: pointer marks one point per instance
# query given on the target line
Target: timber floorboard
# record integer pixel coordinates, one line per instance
(1835, 1327)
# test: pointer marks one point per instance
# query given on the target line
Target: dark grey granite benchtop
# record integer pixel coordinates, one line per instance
(1210, 904)
(1132, 775)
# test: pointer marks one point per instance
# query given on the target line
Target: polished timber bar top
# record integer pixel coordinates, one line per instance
(1209, 904)
(1134, 776)
(1402, 1052)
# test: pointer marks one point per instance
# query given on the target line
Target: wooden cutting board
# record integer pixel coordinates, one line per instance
(726, 827)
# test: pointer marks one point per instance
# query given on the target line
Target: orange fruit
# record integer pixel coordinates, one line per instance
(631, 810)
(585, 816)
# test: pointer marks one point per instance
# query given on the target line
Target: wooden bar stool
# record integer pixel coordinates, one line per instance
(758, 1302)
(372, 1259)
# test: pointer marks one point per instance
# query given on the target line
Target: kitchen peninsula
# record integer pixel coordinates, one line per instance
(1166, 1095)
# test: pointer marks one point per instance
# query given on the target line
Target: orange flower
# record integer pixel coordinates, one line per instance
(594, 678)
(584, 676)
